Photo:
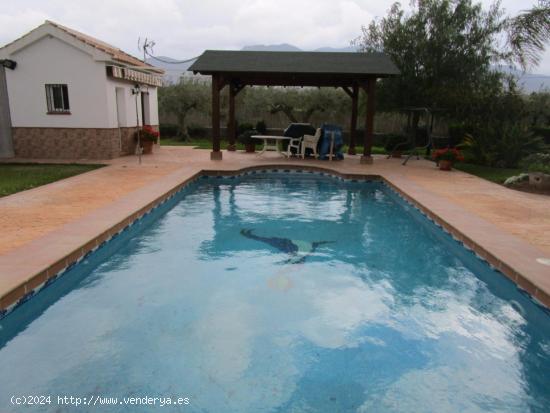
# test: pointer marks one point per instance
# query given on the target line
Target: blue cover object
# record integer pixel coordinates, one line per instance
(324, 142)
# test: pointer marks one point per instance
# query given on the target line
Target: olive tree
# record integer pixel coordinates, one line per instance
(180, 99)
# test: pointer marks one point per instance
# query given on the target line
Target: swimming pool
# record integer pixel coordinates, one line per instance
(281, 293)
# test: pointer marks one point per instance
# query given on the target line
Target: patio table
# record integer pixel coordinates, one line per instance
(272, 143)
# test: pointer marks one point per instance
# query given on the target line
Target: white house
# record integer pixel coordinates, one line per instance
(66, 95)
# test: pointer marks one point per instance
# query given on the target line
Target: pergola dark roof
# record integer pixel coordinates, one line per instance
(326, 63)
(350, 71)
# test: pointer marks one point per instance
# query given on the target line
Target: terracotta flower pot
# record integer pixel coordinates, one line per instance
(250, 147)
(445, 165)
(147, 147)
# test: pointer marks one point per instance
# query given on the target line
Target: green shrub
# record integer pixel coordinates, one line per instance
(243, 127)
(244, 132)
(169, 130)
(261, 127)
(197, 131)
(543, 132)
(379, 139)
(396, 142)
(457, 131)
(502, 145)
(246, 137)
(421, 136)
(537, 162)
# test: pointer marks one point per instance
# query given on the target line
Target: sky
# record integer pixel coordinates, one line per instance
(185, 28)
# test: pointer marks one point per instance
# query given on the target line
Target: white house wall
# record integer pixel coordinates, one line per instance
(129, 120)
(153, 102)
(130, 104)
(51, 61)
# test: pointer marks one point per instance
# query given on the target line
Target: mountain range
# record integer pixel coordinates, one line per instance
(529, 82)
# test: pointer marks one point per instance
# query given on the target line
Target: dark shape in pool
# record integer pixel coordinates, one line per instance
(299, 249)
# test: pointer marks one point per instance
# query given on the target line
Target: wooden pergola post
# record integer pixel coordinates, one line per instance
(353, 126)
(354, 95)
(234, 89)
(231, 119)
(216, 154)
(369, 121)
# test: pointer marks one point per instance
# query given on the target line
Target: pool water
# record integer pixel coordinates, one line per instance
(281, 293)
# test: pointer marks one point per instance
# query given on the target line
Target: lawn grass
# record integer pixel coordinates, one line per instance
(196, 143)
(498, 175)
(179, 142)
(207, 144)
(375, 150)
(15, 177)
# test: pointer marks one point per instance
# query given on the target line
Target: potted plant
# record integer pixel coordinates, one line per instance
(249, 143)
(147, 137)
(246, 131)
(446, 157)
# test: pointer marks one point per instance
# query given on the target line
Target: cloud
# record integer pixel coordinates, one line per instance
(19, 22)
(182, 28)
(185, 28)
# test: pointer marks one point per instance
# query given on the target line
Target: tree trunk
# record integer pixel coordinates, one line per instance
(181, 125)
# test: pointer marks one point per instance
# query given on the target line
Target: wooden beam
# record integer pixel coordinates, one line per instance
(231, 118)
(216, 153)
(222, 81)
(298, 83)
(238, 88)
(354, 93)
(369, 121)
(348, 91)
(301, 80)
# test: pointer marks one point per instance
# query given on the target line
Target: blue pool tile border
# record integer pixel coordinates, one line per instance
(189, 184)
(433, 219)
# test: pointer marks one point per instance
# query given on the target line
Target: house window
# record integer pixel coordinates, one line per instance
(57, 98)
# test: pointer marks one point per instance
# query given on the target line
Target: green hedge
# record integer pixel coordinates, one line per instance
(197, 132)
(544, 132)
(169, 130)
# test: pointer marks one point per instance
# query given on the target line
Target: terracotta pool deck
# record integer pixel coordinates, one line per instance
(47, 228)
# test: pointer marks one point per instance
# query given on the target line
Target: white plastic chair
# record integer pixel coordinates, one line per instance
(293, 143)
(310, 142)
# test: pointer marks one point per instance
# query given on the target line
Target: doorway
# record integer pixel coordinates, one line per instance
(145, 109)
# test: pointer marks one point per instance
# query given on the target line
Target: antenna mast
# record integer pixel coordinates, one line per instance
(146, 46)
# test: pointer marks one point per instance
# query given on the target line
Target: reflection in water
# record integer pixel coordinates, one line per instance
(387, 318)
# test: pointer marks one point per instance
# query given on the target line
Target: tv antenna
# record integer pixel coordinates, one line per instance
(146, 46)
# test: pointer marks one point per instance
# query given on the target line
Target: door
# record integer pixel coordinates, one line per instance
(145, 109)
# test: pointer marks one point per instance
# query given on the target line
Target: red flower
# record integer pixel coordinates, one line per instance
(448, 154)
(147, 132)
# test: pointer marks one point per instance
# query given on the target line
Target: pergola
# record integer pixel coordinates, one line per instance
(350, 71)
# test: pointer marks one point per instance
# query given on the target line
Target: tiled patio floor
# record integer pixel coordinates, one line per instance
(45, 224)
